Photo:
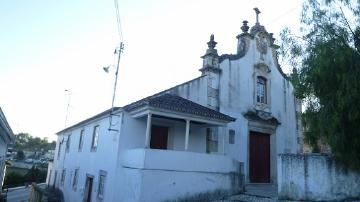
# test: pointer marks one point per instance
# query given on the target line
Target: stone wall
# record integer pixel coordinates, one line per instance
(315, 177)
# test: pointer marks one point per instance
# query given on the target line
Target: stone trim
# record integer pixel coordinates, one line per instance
(262, 118)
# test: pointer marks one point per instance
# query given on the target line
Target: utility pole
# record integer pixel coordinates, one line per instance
(117, 51)
(68, 106)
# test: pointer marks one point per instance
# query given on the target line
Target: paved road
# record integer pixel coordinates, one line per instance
(19, 194)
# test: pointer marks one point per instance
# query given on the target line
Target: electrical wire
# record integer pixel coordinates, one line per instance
(284, 14)
(117, 51)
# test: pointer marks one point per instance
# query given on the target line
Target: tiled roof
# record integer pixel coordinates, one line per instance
(176, 103)
(5, 128)
(106, 112)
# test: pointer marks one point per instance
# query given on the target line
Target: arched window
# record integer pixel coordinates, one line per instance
(261, 90)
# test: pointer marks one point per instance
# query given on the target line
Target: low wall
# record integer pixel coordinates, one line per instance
(166, 175)
(315, 177)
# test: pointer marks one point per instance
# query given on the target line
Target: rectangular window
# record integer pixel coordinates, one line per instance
(55, 176)
(63, 173)
(231, 136)
(50, 173)
(211, 140)
(94, 142)
(81, 140)
(68, 144)
(59, 149)
(75, 180)
(102, 180)
(261, 90)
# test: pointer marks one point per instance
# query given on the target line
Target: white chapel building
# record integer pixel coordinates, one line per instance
(204, 138)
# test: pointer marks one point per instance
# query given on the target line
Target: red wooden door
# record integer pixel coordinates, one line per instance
(259, 157)
(159, 137)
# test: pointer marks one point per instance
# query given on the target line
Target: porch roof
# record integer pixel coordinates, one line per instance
(176, 103)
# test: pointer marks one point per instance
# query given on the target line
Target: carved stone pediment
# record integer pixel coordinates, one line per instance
(256, 29)
(262, 43)
(262, 67)
(261, 116)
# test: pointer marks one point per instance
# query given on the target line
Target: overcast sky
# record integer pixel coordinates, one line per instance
(49, 46)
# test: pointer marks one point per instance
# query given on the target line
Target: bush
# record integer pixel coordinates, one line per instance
(15, 179)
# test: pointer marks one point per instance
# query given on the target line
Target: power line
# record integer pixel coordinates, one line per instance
(284, 14)
(118, 51)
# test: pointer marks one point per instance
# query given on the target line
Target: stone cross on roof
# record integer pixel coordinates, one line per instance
(257, 11)
(212, 43)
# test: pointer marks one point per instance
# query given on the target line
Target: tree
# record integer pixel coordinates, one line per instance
(326, 75)
(24, 141)
(35, 175)
(20, 155)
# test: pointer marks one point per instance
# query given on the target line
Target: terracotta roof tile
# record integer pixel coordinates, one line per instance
(176, 103)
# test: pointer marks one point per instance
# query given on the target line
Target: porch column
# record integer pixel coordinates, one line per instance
(148, 131)
(223, 139)
(187, 134)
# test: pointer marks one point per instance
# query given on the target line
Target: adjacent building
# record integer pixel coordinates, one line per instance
(6, 137)
(207, 136)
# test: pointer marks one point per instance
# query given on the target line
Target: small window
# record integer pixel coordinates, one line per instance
(75, 180)
(231, 136)
(50, 173)
(211, 140)
(55, 176)
(63, 177)
(95, 138)
(81, 140)
(102, 180)
(68, 143)
(59, 150)
(261, 90)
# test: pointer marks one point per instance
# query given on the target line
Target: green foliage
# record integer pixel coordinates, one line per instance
(24, 141)
(326, 75)
(35, 175)
(14, 179)
(20, 155)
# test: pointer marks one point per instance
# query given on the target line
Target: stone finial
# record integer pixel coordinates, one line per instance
(245, 27)
(211, 43)
(257, 11)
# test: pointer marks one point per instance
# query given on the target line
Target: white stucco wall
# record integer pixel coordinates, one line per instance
(129, 185)
(6, 137)
(49, 174)
(3, 150)
(87, 161)
(128, 182)
(315, 177)
(237, 96)
(158, 175)
(194, 90)
(237, 81)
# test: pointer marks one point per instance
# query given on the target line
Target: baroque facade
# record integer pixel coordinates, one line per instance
(198, 137)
